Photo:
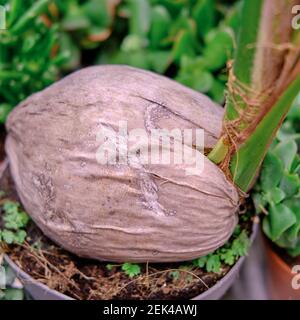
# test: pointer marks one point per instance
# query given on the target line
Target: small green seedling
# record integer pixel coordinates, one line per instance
(15, 221)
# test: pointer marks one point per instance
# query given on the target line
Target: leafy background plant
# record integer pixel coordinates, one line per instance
(277, 193)
(13, 231)
(13, 289)
(28, 58)
(15, 222)
(189, 40)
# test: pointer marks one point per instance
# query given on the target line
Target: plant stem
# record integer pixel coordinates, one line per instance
(262, 86)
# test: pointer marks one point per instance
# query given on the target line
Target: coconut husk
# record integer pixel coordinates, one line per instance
(118, 212)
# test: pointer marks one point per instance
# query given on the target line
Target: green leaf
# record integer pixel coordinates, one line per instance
(140, 17)
(204, 14)
(237, 230)
(203, 81)
(69, 50)
(295, 252)
(132, 43)
(193, 74)
(228, 256)
(13, 294)
(246, 162)
(296, 164)
(15, 11)
(200, 262)
(286, 151)
(10, 276)
(240, 246)
(280, 218)
(35, 10)
(275, 196)
(109, 266)
(138, 59)
(290, 184)
(218, 49)
(213, 263)
(98, 12)
(293, 233)
(271, 172)
(14, 218)
(131, 269)
(8, 236)
(75, 21)
(259, 202)
(233, 17)
(228, 253)
(248, 35)
(294, 113)
(11, 207)
(252, 123)
(160, 25)
(184, 45)
(175, 275)
(20, 236)
(217, 91)
(180, 23)
(159, 60)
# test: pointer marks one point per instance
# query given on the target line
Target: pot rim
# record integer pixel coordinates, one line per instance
(276, 259)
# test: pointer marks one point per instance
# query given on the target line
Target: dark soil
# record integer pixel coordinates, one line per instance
(91, 280)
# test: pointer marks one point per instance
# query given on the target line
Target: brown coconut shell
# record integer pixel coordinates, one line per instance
(128, 212)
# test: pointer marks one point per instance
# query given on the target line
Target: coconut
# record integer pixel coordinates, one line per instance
(124, 210)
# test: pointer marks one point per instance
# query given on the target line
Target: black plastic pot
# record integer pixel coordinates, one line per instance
(39, 291)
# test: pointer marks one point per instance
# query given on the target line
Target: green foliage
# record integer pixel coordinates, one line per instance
(110, 267)
(228, 254)
(7, 279)
(188, 40)
(175, 275)
(194, 39)
(12, 294)
(27, 60)
(277, 193)
(213, 263)
(131, 269)
(14, 218)
(42, 39)
(15, 221)
(83, 25)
